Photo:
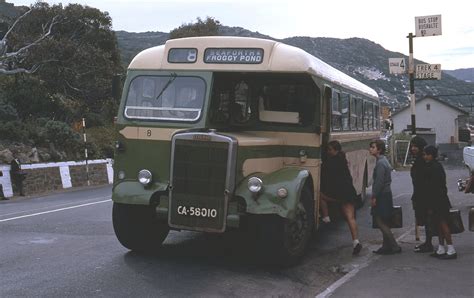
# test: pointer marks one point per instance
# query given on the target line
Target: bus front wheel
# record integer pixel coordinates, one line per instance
(283, 241)
(136, 227)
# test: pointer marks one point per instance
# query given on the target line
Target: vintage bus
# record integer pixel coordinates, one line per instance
(220, 132)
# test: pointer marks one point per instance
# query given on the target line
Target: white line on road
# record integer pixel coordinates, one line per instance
(330, 290)
(401, 195)
(49, 207)
(55, 210)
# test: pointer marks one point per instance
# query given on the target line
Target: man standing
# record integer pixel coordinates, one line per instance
(2, 195)
(17, 175)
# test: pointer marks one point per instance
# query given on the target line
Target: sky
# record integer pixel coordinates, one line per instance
(382, 22)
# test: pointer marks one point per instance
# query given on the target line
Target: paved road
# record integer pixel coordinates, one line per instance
(64, 245)
(412, 274)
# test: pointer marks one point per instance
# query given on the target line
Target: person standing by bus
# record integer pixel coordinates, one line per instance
(336, 186)
(439, 204)
(419, 199)
(17, 175)
(382, 201)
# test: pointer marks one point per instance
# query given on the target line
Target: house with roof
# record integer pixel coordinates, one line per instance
(434, 117)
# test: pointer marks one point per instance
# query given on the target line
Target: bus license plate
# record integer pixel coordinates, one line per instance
(197, 211)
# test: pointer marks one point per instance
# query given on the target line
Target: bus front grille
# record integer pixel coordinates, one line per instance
(197, 198)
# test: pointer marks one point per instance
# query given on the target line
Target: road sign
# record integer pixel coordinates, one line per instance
(428, 72)
(396, 65)
(428, 25)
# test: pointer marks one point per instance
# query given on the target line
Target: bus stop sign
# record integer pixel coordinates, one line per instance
(428, 25)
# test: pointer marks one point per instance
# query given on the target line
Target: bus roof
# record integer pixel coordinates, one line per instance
(277, 57)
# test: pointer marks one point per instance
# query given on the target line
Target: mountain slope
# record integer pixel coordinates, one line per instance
(360, 58)
(464, 74)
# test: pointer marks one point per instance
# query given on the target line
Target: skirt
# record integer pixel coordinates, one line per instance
(384, 206)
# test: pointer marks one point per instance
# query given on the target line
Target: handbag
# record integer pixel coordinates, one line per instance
(454, 222)
(396, 219)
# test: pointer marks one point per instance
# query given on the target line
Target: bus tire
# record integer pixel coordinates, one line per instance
(136, 227)
(282, 241)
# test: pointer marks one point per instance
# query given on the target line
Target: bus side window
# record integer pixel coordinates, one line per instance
(336, 122)
(353, 114)
(360, 113)
(345, 111)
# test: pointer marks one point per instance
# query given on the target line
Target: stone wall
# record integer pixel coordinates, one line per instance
(41, 180)
(48, 177)
(97, 175)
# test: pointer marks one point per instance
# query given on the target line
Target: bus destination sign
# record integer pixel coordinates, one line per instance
(233, 55)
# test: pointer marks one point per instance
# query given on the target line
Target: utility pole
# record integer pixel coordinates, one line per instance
(411, 72)
(85, 150)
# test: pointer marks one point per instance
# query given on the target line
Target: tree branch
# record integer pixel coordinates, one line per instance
(14, 24)
(19, 70)
(54, 21)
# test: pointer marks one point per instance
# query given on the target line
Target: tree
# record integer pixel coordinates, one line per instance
(209, 27)
(62, 71)
(10, 60)
(82, 52)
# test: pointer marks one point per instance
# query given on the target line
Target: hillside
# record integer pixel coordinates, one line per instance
(360, 58)
(464, 74)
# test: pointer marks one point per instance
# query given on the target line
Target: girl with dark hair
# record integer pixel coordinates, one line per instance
(336, 186)
(419, 199)
(382, 201)
(439, 205)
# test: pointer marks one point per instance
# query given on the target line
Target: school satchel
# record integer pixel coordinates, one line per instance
(396, 219)
(455, 223)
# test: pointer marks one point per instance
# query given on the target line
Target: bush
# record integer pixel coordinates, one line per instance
(103, 139)
(93, 120)
(7, 112)
(61, 134)
(14, 131)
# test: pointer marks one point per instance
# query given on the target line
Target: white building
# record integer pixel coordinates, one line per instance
(431, 113)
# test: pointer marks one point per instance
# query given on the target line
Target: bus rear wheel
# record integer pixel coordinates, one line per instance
(283, 241)
(136, 227)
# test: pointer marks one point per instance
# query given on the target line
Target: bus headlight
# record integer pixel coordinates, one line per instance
(144, 177)
(255, 185)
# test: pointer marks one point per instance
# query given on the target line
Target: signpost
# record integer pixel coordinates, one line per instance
(428, 72)
(428, 25)
(396, 65)
(424, 26)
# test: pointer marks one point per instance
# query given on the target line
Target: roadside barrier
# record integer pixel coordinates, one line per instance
(44, 177)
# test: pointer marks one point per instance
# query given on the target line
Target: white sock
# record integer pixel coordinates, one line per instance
(451, 249)
(326, 219)
(441, 250)
(355, 242)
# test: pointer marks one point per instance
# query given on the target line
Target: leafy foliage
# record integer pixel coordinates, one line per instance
(78, 61)
(208, 27)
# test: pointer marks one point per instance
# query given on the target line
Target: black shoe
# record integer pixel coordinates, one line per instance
(436, 255)
(425, 247)
(396, 250)
(448, 257)
(382, 251)
(357, 249)
(5, 199)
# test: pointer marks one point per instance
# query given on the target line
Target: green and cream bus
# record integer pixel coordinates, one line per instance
(220, 132)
